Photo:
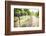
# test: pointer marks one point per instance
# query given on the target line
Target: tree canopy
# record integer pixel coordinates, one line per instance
(21, 12)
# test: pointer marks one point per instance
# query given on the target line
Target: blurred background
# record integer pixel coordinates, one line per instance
(2, 18)
(24, 17)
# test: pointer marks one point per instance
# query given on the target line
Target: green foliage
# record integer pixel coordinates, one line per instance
(32, 13)
(37, 14)
(17, 10)
(22, 11)
(27, 12)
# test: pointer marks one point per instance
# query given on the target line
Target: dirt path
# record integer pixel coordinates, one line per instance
(27, 21)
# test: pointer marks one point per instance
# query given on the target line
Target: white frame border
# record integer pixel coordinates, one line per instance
(25, 28)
